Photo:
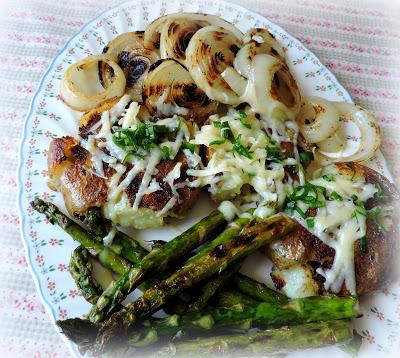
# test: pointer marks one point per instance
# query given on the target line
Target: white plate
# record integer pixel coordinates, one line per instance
(48, 247)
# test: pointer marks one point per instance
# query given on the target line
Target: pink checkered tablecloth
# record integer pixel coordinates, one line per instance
(358, 40)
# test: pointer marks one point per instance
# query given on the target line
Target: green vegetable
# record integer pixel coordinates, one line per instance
(273, 152)
(329, 177)
(336, 196)
(310, 223)
(166, 153)
(306, 156)
(105, 255)
(190, 146)
(242, 118)
(257, 290)
(240, 149)
(81, 269)
(144, 137)
(157, 261)
(227, 248)
(217, 142)
(264, 343)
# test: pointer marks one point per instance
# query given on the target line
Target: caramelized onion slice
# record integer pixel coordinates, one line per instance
(272, 91)
(370, 138)
(318, 119)
(133, 58)
(210, 51)
(153, 31)
(175, 37)
(80, 87)
(257, 41)
(169, 89)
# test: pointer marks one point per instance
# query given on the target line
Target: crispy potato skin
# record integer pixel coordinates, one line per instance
(373, 268)
(68, 165)
(157, 200)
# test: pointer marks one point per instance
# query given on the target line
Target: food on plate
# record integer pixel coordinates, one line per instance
(192, 106)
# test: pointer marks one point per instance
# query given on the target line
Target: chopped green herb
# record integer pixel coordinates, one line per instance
(273, 152)
(127, 158)
(251, 174)
(310, 194)
(240, 149)
(217, 124)
(217, 142)
(306, 156)
(166, 153)
(144, 137)
(336, 196)
(190, 146)
(364, 244)
(242, 118)
(310, 223)
(328, 177)
(354, 197)
(227, 132)
(353, 170)
(374, 212)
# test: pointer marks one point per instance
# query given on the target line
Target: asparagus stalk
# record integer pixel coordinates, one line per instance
(231, 298)
(221, 252)
(210, 288)
(257, 290)
(106, 256)
(280, 340)
(156, 261)
(246, 313)
(81, 269)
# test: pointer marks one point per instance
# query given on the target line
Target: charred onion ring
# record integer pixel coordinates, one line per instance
(80, 88)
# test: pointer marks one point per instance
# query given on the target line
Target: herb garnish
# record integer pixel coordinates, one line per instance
(328, 177)
(306, 156)
(239, 148)
(144, 137)
(310, 194)
(190, 146)
(242, 118)
(273, 152)
(217, 142)
(166, 153)
(336, 196)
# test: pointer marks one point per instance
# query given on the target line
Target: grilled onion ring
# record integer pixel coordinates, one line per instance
(210, 51)
(169, 89)
(318, 120)
(135, 60)
(80, 88)
(257, 41)
(369, 130)
(153, 31)
(175, 37)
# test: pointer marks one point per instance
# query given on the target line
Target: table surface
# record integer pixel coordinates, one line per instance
(357, 40)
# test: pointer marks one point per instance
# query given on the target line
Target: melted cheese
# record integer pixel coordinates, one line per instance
(228, 172)
(172, 176)
(339, 224)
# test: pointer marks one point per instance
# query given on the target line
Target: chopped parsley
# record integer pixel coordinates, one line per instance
(363, 244)
(336, 196)
(306, 156)
(127, 158)
(310, 223)
(242, 118)
(328, 177)
(145, 137)
(190, 146)
(217, 142)
(310, 194)
(239, 148)
(166, 153)
(227, 131)
(273, 152)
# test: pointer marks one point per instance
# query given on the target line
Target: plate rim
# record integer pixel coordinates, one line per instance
(21, 155)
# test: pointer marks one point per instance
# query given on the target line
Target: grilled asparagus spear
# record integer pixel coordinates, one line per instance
(122, 245)
(221, 252)
(106, 256)
(257, 290)
(157, 260)
(279, 340)
(248, 314)
(81, 269)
